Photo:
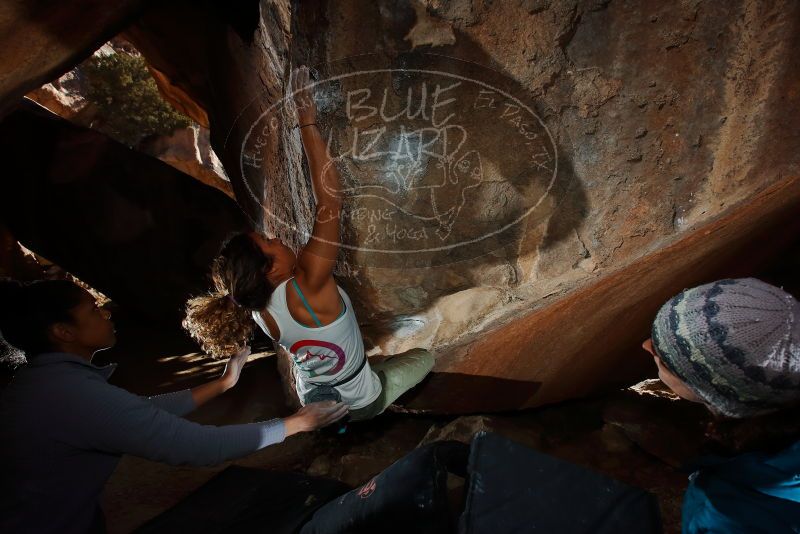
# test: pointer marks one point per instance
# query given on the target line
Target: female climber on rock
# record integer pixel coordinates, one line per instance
(296, 301)
(64, 428)
(734, 346)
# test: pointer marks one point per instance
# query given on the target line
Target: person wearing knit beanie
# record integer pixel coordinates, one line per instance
(733, 344)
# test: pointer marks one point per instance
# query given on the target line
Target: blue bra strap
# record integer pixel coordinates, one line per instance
(305, 302)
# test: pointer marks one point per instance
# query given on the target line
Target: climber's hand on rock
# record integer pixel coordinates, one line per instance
(303, 94)
(315, 415)
(230, 376)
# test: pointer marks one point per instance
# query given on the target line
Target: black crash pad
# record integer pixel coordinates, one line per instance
(512, 488)
(242, 500)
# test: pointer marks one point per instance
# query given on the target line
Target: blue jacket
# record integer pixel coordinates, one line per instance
(750, 493)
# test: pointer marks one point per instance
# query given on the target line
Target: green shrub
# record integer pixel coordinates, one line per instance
(128, 102)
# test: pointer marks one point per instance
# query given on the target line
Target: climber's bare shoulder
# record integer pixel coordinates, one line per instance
(324, 299)
(316, 261)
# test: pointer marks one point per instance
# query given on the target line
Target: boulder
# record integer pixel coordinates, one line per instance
(39, 43)
(572, 166)
(654, 169)
(662, 424)
(187, 149)
(134, 228)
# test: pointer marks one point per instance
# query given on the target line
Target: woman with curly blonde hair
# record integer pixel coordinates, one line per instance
(313, 320)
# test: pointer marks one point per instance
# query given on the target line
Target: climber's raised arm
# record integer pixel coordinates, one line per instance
(318, 258)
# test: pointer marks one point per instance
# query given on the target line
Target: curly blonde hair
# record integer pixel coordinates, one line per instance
(220, 320)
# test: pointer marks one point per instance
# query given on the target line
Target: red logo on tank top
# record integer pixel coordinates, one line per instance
(312, 361)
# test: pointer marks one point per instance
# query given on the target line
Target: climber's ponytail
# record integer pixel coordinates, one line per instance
(221, 326)
(220, 321)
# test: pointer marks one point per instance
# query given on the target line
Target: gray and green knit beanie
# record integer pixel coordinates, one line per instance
(735, 343)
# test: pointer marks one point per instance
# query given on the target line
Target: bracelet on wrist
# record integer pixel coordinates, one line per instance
(304, 125)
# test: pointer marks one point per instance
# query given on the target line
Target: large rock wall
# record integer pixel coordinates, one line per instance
(187, 149)
(40, 42)
(133, 227)
(667, 137)
(662, 117)
(230, 60)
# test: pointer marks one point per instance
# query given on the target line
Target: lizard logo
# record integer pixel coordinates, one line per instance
(440, 160)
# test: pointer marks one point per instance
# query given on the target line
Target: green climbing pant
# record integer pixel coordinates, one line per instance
(397, 374)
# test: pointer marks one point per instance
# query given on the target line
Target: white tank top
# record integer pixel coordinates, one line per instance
(325, 354)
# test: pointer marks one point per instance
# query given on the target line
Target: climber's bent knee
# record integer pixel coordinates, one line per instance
(397, 374)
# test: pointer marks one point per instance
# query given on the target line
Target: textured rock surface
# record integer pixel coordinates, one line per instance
(140, 231)
(187, 149)
(670, 131)
(39, 43)
(592, 336)
(662, 118)
(229, 60)
(660, 423)
(65, 97)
